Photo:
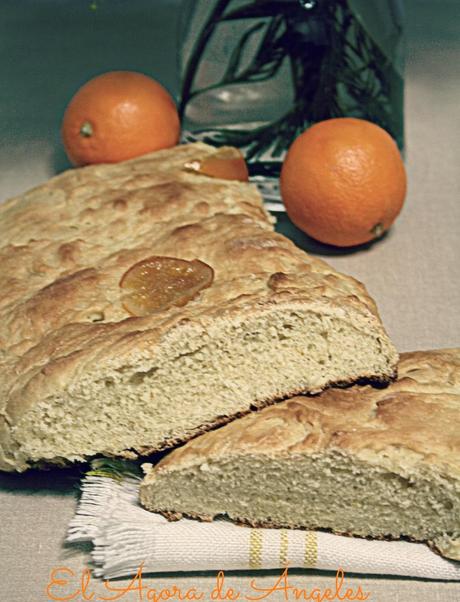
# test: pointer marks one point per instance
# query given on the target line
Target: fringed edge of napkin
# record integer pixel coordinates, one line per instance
(104, 486)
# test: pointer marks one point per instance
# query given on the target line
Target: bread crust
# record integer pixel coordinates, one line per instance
(67, 243)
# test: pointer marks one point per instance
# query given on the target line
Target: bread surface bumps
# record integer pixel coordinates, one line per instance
(364, 461)
(80, 376)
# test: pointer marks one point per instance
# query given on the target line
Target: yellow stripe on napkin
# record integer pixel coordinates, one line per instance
(284, 544)
(255, 549)
(311, 549)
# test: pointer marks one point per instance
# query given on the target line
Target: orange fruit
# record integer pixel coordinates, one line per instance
(117, 116)
(343, 181)
(157, 283)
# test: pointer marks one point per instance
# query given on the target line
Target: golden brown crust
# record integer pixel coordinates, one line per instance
(415, 419)
(67, 243)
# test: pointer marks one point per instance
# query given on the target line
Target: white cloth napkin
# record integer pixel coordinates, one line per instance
(124, 535)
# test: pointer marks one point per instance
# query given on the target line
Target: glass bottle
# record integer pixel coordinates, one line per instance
(256, 73)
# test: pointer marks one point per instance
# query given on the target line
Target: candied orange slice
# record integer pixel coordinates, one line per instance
(157, 283)
(227, 163)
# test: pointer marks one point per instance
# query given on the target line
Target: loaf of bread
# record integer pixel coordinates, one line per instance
(381, 463)
(100, 357)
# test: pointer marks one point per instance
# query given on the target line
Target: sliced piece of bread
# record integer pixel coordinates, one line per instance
(382, 463)
(80, 375)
